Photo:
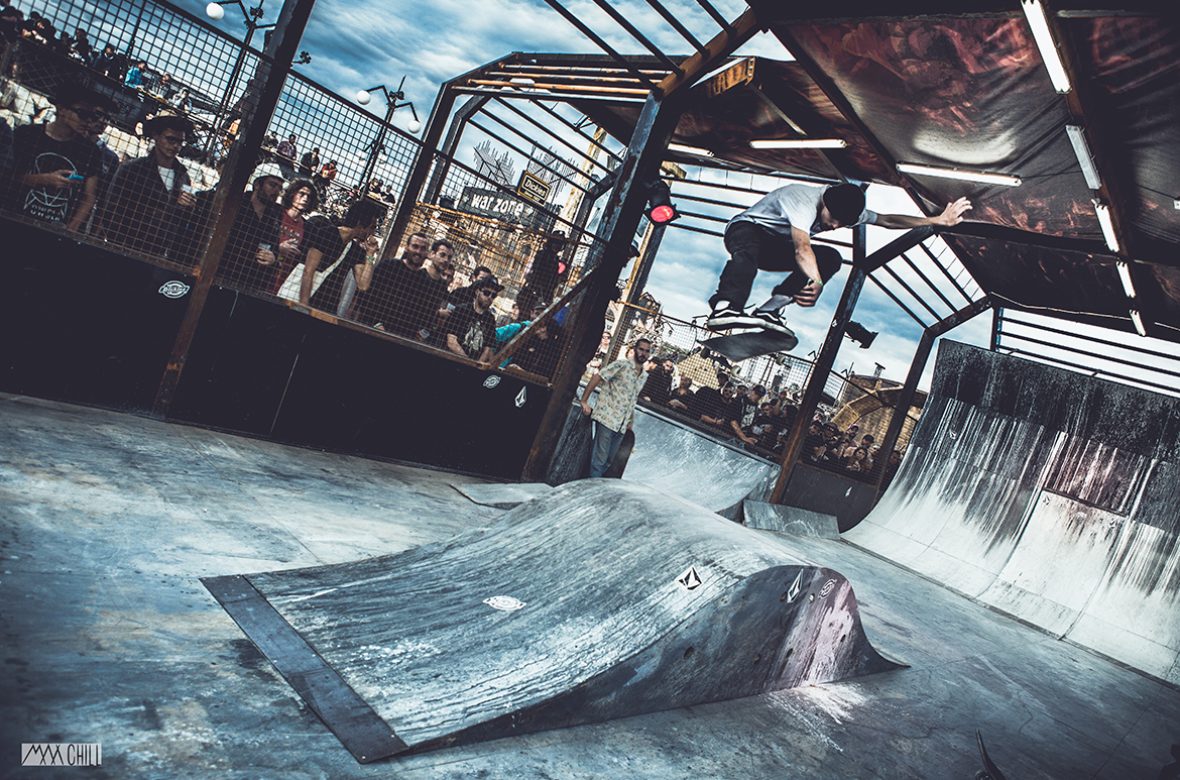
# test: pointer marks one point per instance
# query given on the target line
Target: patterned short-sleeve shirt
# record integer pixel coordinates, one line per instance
(621, 382)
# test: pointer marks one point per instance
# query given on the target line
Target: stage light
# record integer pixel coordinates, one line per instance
(1107, 225)
(1077, 137)
(1125, 277)
(799, 143)
(413, 125)
(860, 334)
(660, 209)
(1003, 179)
(1035, 13)
(698, 151)
(214, 11)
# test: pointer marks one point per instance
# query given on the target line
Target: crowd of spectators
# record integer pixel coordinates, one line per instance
(759, 420)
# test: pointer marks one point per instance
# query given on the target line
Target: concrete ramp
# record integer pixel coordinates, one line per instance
(1046, 494)
(790, 520)
(677, 459)
(601, 600)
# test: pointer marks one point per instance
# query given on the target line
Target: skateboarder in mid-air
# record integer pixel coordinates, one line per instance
(775, 235)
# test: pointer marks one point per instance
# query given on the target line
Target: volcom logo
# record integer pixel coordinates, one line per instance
(491, 382)
(796, 586)
(690, 580)
(521, 397)
(174, 289)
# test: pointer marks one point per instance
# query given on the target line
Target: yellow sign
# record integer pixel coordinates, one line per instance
(533, 188)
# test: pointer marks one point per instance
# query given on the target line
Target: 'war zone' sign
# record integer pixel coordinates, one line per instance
(503, 206)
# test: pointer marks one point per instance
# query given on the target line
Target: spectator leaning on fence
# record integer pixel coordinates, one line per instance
(388, 303)
(56, 166)
(344, 248)
(253, 240)
(614, 411)
(149, 197)
(471, 329)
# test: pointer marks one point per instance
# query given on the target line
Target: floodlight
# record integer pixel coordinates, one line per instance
(860, 334)
(660, 209)
(1002, 179)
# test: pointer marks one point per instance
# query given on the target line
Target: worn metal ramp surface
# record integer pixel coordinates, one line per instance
(678, 460)
(602, 600)
(789, 520)
(501, 495)
(1048, 495)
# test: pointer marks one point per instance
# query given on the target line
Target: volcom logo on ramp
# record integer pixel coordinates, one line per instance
(690, 580)
(504, 603)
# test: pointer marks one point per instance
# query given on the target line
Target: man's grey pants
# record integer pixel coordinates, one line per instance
(606, 446)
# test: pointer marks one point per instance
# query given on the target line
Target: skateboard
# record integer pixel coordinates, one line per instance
(616, 467)
(751, 343)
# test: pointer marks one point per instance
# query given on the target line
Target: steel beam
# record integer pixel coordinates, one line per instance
(259, 104)
(824, 361)
(454, 134)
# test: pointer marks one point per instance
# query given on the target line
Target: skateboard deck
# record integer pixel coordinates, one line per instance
(616, 467)
(751, 343)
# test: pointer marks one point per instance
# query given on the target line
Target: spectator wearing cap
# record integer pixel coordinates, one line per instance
(55, 173)
(252, 246)
(463, 296)
(150, 196)
(614, 412)
(471, 330)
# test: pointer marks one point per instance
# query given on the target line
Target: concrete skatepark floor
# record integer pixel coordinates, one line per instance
(107, 521)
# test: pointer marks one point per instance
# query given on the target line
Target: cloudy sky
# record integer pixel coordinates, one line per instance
(359, 43)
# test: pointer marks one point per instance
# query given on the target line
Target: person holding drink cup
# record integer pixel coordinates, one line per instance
(150, 197)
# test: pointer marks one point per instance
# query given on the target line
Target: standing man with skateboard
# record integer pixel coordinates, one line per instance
(621, 382)
(775, 235)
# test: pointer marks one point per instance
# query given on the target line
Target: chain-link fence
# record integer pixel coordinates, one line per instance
(121, 114)
(754, 403)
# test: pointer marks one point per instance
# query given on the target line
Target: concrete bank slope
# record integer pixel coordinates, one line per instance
(1048, 495)
(603, 599)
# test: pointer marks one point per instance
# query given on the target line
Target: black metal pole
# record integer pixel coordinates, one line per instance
(260, 101)
(378, 144)
(620, 220)
(901, 407)
(823, 365)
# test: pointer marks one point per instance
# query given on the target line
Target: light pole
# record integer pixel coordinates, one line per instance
(378, 145)
(252, 18)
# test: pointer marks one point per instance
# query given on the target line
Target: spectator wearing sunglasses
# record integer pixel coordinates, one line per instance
(56, 166)
(471, 329)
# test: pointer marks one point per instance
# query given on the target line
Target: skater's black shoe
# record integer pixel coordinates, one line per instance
(772, 320)
(725, 317)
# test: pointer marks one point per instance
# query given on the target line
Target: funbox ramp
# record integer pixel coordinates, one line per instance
(1052, 496)
(600, 600)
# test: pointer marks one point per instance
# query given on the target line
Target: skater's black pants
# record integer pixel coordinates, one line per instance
(753, 248)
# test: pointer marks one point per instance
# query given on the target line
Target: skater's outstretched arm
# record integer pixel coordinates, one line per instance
(950, 216)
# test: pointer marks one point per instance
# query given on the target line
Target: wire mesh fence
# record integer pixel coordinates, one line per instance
(755, 402)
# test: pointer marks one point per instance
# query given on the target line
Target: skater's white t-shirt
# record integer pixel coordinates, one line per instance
(795, 205)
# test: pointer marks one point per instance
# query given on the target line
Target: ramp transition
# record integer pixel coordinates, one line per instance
(1048, 495)
(601, 600)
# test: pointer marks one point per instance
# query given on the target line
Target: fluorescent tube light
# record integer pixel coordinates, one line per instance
(1003, 179)
(1035, 13)
(1176, 203)
(1125, 277)
(1107, 225)
(686, 149)
(1077, 137)
(1138, 320)
(799, 143)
